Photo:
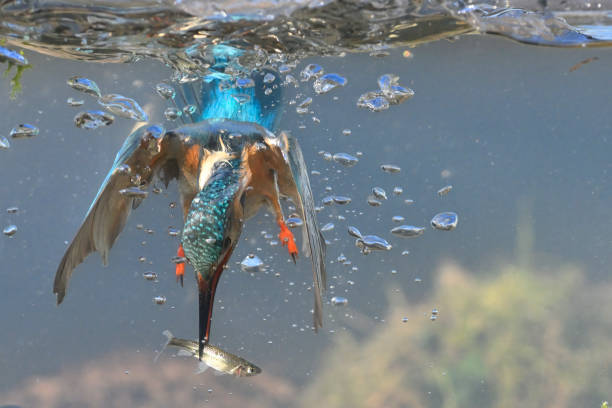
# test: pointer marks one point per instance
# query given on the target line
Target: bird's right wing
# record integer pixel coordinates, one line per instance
(141, 156)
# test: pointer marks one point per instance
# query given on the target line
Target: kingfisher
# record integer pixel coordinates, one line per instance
(228, 163)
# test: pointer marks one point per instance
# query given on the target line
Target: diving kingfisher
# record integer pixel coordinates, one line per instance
(228, 163)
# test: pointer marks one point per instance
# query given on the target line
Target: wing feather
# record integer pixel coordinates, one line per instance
(316, 242)
(142, 151)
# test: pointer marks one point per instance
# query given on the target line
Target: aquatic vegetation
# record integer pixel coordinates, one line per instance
(488, 330)
(17, 60)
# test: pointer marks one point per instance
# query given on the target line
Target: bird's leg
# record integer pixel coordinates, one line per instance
(285, 236)
(180, 266)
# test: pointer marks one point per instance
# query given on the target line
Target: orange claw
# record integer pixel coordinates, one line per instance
(286, 238)
(180, 267)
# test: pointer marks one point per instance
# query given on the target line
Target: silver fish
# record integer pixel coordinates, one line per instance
(218, 359)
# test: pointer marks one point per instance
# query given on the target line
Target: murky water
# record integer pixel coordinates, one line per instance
(509, 308)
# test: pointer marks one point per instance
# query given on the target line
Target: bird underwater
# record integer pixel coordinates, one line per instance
(228, 164)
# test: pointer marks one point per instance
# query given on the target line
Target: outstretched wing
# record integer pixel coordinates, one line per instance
(316, 242)
(140, 157)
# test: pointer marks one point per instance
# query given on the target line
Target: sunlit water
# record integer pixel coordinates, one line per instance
(507, 309)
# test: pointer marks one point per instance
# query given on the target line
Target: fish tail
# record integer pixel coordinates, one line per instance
(169, 338)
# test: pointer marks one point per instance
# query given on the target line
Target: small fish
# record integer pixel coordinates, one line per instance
(583, 62)
(220, 360)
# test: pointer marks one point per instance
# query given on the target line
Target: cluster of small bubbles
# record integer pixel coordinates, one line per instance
(4, 142)
(172, 113)
(444, 190)
(445, 221)
(294, 221)
(251, 263)
(339, 301)
(244, 83)
(328, 82)
(122, 170)
(190, 109)
(346, 132)
(341, 200)
(373, 101)
(373, 201)
(172, 204)
(302, 107)
(123, 106)
(434, 315)
(418, 280)
(165, 91)
(354, 232)
(368, 243)
(75, 102)
(133, 192)
(341, 258)
(397, 218)
(173, 232)
(150, 276)
(83, 84)
(328, 227)
(405, 253)
(93, 119)
(379, 193)
(157, 190)
(398, 190)
(12, 210)
(345, 159)
(269, 78)
(311, 71)
(395, 93)
(24, 130)
(142, 259)
(10, 230)
(408, 201)
(389, 93)
(290, 79)
(159, 300)
(408, 231)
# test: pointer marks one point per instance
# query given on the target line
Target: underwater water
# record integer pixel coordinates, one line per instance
(507, 309)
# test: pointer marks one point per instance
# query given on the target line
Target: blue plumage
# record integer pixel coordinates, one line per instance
(209, 215)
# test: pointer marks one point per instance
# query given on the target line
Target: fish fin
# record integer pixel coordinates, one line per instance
(314, 237)
(202, 366)
(143, 152)
(169, 338)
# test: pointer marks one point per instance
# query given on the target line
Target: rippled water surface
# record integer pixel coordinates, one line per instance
(507, 309)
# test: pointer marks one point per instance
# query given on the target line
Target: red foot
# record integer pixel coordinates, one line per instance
(180, 267)
(286, 238)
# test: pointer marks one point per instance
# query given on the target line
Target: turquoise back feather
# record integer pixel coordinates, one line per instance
(208, 217)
